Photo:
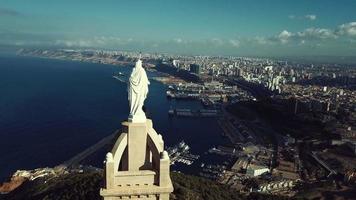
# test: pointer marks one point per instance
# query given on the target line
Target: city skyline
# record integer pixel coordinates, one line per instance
(256, 28)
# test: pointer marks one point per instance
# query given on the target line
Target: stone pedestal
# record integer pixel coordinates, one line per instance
(137, 167)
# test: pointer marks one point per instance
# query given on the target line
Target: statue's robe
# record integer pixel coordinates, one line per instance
(137, 91)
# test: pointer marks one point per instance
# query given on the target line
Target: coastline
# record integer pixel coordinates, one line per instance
(165, 127)
(162, 77)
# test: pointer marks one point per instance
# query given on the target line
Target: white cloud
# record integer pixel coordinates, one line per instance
(317, 33)
(311, 36)
(178, 40)
(348, 29)
(310, 17)
(97, 41)
(74, 43)
(303, 36)
(284, 36)
(291, 16)
(235, 43)
(260, 40)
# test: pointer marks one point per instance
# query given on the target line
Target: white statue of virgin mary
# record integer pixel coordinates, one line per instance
(137, 92)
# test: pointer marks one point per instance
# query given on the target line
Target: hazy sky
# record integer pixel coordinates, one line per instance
(220, 27)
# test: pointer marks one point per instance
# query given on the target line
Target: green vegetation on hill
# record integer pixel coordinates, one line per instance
(70, 186)
(195, 188)
(77, 186)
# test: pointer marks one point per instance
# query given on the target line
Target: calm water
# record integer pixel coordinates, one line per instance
(50, 110)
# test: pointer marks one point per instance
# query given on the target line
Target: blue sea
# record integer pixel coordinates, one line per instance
(50, 110)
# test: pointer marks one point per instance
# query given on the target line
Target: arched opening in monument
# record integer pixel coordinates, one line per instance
(154, 153)
(123, 161)
(148, 159)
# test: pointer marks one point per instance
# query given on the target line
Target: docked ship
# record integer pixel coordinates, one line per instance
(193, 113)
(182, 95)
(120, 77)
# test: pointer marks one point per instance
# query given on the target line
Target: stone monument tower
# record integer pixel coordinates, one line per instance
(137, 166)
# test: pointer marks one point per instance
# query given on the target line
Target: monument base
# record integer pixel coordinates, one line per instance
(146, 193)
(137, 167)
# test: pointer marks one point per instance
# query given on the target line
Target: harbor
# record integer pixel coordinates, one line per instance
(211, 94)
(180, 154)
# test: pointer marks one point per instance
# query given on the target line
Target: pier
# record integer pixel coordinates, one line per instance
(194, 113)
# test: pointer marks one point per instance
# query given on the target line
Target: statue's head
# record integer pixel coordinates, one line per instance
(138, 63)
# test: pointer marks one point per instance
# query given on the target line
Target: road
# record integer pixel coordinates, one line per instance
(89, 151)
(256, 90)
(322, 163)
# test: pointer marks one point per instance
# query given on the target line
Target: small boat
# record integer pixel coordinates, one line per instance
(121, 79)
